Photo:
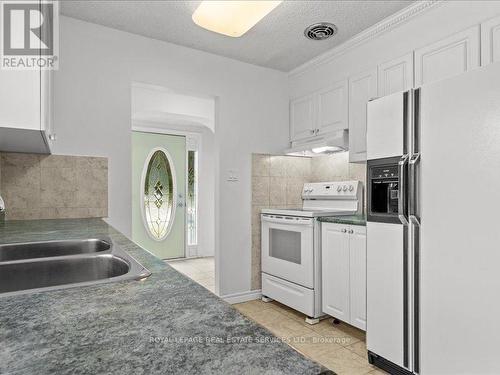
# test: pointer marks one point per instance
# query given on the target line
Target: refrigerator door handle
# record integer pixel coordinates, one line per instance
(415, 249)
(406, 322)
(413, 212)
(402, 188)
(413, 198)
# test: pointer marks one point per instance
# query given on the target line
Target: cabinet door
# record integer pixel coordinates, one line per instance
(302, 118)
(395, 75)
(454, 55)
(490, 41)
(46, 101)
(362, 88)
(20, 99)
(357, 270)
(335, 270)
(332, 108)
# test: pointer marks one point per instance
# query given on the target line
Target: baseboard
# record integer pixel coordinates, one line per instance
(242, 297)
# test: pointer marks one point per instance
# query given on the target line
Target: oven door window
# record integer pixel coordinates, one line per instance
(285, 245)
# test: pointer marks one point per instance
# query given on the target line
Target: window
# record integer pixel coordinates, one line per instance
(192, 198)
(158, 195)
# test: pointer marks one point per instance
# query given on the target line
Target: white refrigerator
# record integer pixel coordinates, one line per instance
(433, 230)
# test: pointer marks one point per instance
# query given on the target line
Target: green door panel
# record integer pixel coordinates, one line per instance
(158, 193)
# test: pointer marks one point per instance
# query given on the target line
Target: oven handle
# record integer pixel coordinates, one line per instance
(290, 220)
(402, 190)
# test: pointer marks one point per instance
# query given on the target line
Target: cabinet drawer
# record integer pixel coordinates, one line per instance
(290, 294)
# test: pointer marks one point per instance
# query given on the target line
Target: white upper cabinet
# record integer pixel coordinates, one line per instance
(454, 55)
(332, 108)
(343, 105)
(490, 41)
(26, 105)
(319, 113)
(362, 88)
(47, 105)
(20, 99)
(395, 75)
(25, 110)
(302, 118)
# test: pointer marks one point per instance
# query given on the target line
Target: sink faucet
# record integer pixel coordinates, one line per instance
(2, 209)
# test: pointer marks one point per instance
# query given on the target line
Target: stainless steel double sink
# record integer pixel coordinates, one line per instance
(49, 265)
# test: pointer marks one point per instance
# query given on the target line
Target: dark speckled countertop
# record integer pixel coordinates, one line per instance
(349, 220)
(156, 326)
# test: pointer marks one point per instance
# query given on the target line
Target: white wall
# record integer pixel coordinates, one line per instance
(150, 100)
(92, 117)
(432, 25)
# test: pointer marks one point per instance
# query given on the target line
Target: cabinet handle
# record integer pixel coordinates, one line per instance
(312, 131)
(317, 131)
(351, 231)
(344, 230)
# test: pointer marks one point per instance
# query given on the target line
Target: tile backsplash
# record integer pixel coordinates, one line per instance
(277, 181)
(53, 186)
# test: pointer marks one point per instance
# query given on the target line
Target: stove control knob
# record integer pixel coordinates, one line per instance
(339, 188)
(344, 188)
(351, 188)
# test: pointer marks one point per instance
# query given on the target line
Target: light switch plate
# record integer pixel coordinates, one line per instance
(233, 175)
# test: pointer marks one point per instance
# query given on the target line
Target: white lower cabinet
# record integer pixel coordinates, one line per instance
(357, 276)
(335, 270)
(343, 251)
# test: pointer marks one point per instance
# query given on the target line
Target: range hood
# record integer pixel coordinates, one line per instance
(333, 143)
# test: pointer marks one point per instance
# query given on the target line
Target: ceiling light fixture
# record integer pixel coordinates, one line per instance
(232, 18)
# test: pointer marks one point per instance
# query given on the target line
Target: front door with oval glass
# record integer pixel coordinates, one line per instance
(158, 193)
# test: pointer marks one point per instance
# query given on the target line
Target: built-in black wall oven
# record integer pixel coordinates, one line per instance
(385, 193)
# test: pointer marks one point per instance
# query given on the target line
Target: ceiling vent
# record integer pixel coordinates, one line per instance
(320, 31)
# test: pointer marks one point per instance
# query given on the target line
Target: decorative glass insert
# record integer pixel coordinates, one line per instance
(192, 198)
(158, 195)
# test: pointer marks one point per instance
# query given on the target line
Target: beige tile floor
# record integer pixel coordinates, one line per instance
(339, 347)
(201, 270)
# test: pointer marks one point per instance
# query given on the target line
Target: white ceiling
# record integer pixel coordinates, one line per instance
(276, 42)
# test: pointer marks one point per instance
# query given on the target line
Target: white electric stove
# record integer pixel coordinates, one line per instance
(291, 253)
